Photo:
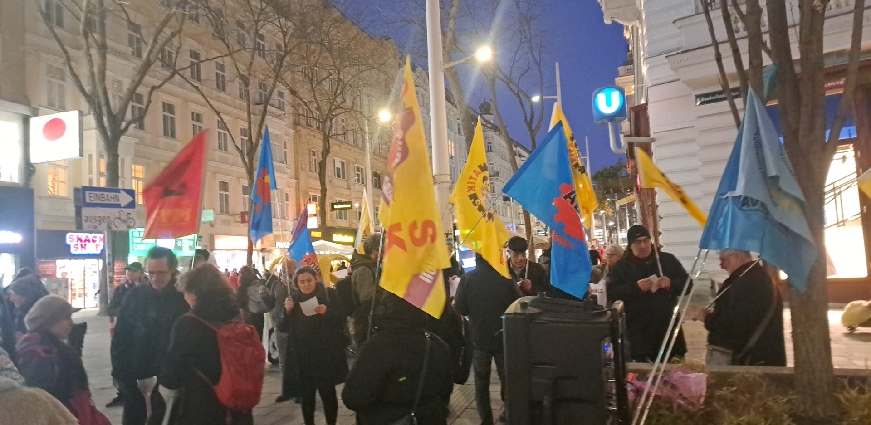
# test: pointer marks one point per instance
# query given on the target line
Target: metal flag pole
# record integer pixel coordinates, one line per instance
(377, 284)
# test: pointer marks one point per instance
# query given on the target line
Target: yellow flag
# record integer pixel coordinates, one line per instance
(864, 183)
(587, 202)
(414, 244)
(367, 224)
(652, 177)
(480, 228)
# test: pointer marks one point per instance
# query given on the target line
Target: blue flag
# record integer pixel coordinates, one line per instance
(544, 186)
(261, 193)
(759, 206)
(301, 249)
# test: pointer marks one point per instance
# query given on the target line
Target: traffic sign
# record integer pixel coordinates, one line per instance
(108, 197)
(609, 105)
(108, 208)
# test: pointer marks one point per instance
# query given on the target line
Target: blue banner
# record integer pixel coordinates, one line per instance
(261, 193)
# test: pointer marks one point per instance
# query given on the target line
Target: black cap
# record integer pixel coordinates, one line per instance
(635, 232)
(136, 267)
(518, 244)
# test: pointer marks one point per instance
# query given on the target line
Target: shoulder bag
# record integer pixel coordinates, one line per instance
(411, 419)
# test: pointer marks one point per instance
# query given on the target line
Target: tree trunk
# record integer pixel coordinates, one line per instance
(110, 147)
(322, 174)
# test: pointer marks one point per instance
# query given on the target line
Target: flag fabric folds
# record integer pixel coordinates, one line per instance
(586, 194)
(367, 223)
(301, 249)
(759, 206)
(261, 193)
(414, 244)
(653, 177)
(172, 199)
(864, 183)
(481, 229)
(544, 186)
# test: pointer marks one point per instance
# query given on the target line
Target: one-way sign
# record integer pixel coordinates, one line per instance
(108, 197)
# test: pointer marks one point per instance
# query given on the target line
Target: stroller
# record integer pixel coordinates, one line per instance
(857, 314)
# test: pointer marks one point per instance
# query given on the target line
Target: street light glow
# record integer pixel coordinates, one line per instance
(483, 54)
(384, 116)
(536, 98)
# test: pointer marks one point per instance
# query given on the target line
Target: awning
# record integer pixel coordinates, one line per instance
(326, 247)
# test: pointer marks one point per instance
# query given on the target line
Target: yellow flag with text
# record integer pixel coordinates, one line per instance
(480, 228)
(414, 244)
(367, 223)
(586, 195)
(653, 177)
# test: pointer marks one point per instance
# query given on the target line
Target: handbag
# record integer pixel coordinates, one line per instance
(411, 419)
(82, 407)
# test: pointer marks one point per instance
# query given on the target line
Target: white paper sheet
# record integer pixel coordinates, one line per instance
(308, 307)
(655, 280)
(455, 283)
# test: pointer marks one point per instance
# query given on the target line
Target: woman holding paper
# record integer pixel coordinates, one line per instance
(315, 348)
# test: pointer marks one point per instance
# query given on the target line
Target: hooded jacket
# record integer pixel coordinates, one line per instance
(484, 295)
(647, 313)
(364, 286)
(21, 405)
(48, 363)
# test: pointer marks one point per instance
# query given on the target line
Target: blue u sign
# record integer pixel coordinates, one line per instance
(609, 105)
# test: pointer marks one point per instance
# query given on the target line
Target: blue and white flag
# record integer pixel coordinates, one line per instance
(759, 206)
(545, 187)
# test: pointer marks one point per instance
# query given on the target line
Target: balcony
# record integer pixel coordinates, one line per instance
(626, 12)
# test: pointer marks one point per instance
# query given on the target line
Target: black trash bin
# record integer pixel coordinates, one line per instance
(565, 363)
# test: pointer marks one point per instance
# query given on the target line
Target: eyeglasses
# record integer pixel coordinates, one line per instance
(164, 273)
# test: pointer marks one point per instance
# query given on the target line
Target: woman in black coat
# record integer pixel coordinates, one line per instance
(315, 347)
(192, 364)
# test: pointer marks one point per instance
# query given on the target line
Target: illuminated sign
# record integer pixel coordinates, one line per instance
(85, 243)
(9, 237)
(182, 247)
(312, 209)
(609, 105)
(317, 234)
(341, 205)
(55, 137)
(208, 216)
(312, 222)
(282, 245)
(343, 238)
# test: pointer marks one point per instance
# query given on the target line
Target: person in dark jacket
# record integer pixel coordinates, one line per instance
(484, 295)
(364, 284)
(745, 299)
(247, 276)
(142, 335)
(530, 276)
(278, 292)
(134, 275)
(382, 385)
(192, 365)
(315, 344)
(648, 308)
(24, 292)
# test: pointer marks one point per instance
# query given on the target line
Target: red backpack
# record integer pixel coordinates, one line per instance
(243, 359)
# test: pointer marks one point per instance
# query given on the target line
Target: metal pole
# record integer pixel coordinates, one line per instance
(589, 167)
(368, 167)
(438, 113)
(559, 91)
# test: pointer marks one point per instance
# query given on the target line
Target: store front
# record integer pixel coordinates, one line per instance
(137, 247)
(230, 252)
(16, 231)
(70, 264)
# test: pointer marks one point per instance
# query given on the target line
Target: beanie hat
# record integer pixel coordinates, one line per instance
(28, 287)
(518, 244)
(47, 312)
(635, 232)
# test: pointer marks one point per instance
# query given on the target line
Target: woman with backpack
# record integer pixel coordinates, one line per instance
(316, 351)
(250, 296)
(199, 358)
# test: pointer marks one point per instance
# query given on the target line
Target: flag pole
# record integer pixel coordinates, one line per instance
(200, 215)
(377, 284)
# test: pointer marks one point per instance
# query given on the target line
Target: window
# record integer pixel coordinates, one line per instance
(341, 214)
(339, 167)
(102, 171)
(168, 120)
(223, 137)
(281, 104)
(122, 171)
(314, 199)
(55, 92)
(196, 67)
(196, 123)
(134, 39)
(313, 161)
(220, 77)
(241, 34)
(246, 197)
(359, 175)
(283, 155)
(57, 178)
(276, 151)
(244, 138)
(261, 93)
(217, 23)
(489, 146)
(260, 45)
(137, 173)
(167, 57)
(243, 88)
(137, 110)
(54, 11)
(223, 197)
(193, 12)
(341, 129)
(376, 180)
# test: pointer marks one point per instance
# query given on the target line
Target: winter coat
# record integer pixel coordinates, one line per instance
(600, 271)
(647, 313)
(142, 330)
(741, 309)
(48, 363)
(22, 405)
(383, 383)
(537, 275)
(118, 297)
(7, 325)
(484, 295)
(315, 343)
(193, 350)
(278, 292)
(364, 285)
(449, 327)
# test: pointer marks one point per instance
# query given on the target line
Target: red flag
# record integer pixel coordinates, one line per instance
(172, 199)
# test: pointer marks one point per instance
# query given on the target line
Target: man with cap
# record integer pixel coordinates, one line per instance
(530, 276)
(134, 276)
(648, 295)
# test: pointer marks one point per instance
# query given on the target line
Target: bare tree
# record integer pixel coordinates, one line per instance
(801, 98)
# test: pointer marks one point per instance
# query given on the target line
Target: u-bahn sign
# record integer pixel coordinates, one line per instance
(609, 105)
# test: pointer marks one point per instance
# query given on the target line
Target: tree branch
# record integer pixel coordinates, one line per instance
(718, 58)
(846, 105)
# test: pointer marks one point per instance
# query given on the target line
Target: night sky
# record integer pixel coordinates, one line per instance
(588, 50)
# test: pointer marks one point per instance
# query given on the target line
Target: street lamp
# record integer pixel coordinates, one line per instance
(384, 116)
(483, 55)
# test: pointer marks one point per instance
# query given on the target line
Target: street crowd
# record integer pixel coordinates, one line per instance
(200, 335)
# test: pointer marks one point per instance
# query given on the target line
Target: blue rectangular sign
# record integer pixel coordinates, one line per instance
(108, 197)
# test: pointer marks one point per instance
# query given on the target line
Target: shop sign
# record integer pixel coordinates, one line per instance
(10, 237)
(343, 238)
(341, 205)
(182, 247)
(317, 234)
(208, 216)
(55, 137)
(282, 245)
(85, 243)
(541, 232)
(715, 96)
(46, 269)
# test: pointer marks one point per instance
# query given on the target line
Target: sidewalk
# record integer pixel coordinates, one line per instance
(851, 351)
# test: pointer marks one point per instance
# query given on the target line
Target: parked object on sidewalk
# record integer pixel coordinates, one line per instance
(857, 314)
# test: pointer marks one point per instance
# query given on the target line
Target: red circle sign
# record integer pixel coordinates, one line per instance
(54, 129)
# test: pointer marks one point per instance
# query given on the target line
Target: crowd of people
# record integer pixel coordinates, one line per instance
(178, 332)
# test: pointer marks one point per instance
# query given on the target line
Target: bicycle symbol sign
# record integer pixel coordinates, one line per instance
(106, 208)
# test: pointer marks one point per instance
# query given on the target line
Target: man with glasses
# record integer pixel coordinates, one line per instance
(142, 335)
(649, 295)
(528, 275)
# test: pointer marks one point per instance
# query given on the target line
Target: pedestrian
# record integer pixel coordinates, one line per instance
(484, 295)
(364, 283)
(402, 369)
(544, 258)
(746, 322)
(142, 336)
(234, 279)
(194, 363)
(649, 296)
(23, 405)
(47, 362)
(596, 257)
(24, 292)
(528, 275)
(201, 256)
(133, 277)
(343, 266)
(279, 292)
(250, 297)
(613, 254)
(315, 345)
